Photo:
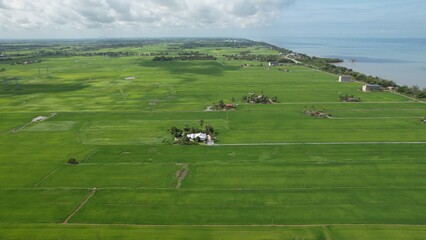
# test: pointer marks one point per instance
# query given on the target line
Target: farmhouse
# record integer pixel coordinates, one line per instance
(273, 64)
(345, 78)
(371, 88)
(230, 106)
(194, 136)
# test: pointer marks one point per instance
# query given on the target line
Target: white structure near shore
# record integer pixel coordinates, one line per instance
(371, 88)
(345, 78)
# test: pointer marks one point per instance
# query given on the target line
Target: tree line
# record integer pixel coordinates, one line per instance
(183, 57)
(325, 64)
(254, 57)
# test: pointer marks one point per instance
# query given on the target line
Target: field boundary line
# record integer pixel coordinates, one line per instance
(411, 98)
(312, 143)
(251, 225)
(48, 175)
(81, 133)
(355, 118)
(327, 233)
(209, 189)
(85, 200)
(263, 205)
(337, 102)
(89, 155)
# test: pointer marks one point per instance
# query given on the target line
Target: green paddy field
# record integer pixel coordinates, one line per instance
(274, 173)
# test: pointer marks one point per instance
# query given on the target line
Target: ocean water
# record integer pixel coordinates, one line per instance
(400, 60)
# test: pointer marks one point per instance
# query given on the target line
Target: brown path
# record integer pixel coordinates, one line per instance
(86, 199)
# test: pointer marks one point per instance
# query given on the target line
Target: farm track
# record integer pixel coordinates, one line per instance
(209, 189)
(408, 97)
(250, 225)
(48, 175)
(355, 118)
(312, 143)
(85, 200)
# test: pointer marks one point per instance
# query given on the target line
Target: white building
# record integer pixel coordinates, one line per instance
(371, 88)
(193, 136)
(273, 64)
(345, 78)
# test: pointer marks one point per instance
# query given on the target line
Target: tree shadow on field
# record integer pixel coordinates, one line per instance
(209, 68)
(14, 88)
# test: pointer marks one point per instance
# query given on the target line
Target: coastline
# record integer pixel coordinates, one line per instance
(336, 66)
(398, 60)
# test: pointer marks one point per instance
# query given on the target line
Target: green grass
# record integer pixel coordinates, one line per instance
(114, 175)
(38, 206)
(378, 232)
(163, 233)
(252, 207)
(117, 130)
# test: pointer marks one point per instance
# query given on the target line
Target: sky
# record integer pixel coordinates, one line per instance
(45, 19)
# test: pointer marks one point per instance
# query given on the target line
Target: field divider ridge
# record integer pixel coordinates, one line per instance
(311, 143)
(85, 200)
(48, 175)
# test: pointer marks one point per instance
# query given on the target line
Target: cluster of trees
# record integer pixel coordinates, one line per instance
(317, 60)
(73, 48)
(222, 106)
(24, 62)
(261, 58)
(318, 114)
(278, 49)
(183, 57)
(349, 98)
(181, 137)
(2, 59)
(2, 69)
(72, 161)
(78, 45)
(59, 53)
(218, 43)
(260, 99)
(414, 91)
(190, 53)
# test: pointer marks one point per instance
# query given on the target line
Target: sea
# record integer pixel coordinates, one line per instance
(402, 60)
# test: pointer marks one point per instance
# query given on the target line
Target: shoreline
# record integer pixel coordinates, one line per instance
(395, 59)
(331, 65)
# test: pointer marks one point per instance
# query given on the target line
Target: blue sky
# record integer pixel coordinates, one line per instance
(211, 18)
(360, 18)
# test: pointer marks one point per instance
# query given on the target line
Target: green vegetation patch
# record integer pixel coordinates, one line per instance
(55, 126)
(114, 175)
(38, 206)
(81, 231)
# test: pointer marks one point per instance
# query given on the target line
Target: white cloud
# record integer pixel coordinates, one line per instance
(86, 14)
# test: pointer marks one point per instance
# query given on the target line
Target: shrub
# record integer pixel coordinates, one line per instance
(72, 161)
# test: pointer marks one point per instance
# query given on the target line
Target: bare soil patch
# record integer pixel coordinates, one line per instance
(181, 173)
